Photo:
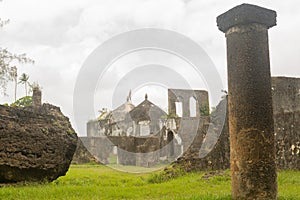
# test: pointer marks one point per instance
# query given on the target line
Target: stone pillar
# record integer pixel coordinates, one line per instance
(203, 101)
(36, 97)
(138, 129)
(252, 153)
(171, 103)
(186, 107)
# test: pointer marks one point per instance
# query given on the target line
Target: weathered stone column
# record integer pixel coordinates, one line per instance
(171, 103)
(36, 97)
(252, 152)
(186, 107)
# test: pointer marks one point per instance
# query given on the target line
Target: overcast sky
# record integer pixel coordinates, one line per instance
(60, 35)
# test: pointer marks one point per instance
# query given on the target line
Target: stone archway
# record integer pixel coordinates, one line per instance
(170, 142)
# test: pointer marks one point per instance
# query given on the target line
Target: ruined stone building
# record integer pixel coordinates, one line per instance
(182, 132)
(111, 122)
(147, 118)
(145, 135)
(194, 103)
(128, 120)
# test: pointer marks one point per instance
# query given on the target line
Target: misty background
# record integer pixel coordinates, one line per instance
(60, 35)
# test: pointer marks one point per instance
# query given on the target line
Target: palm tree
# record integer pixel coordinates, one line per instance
(24, 80)
(14, 75)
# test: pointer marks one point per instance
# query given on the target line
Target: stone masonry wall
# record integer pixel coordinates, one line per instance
(286, 115)
(140, 151)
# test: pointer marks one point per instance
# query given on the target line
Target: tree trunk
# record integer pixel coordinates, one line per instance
(26, 89)
(16, 84)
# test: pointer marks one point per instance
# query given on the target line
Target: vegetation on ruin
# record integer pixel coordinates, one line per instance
(170, 115)
(23, 102)
(100, 182)
(204, 110)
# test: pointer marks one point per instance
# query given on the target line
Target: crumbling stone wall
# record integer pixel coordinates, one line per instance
(82, 155)
(189, 128)
(285, 94)
(127, 148)
(147, 153)
(36, 143)
(286, 112)
(99, 147)
(36, 97)
(287, 135)
(286, 115)
(140, 151)
(286, 106)
(183, 96)
(218, 156)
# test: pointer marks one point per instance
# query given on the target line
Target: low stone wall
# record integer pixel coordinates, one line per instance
(219, 154)
(82, 155)
(287, 135)
(140, 151)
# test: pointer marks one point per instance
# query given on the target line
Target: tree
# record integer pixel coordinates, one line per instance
(24, 80)
(7, 71)
(23, 102)
(7, 67)
(14, 75)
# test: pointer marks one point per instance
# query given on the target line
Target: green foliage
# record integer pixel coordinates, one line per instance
(204, 110)
(70, 131)
(100, 182)
(170, 115)
(24, 80)
(166, 175)
(23, 102)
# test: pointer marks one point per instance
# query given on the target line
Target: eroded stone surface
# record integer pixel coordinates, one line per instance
(82, 155)
(251, 125)
(37, 143)
(246, 14)
(286, 115)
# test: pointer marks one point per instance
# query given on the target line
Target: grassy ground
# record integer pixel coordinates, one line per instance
(100, 182)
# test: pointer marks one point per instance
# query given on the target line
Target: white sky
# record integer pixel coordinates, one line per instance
(59, 35)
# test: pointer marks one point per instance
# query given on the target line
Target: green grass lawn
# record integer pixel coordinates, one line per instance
(100, 182)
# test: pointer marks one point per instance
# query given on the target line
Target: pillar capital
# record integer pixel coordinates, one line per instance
(246, 14)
